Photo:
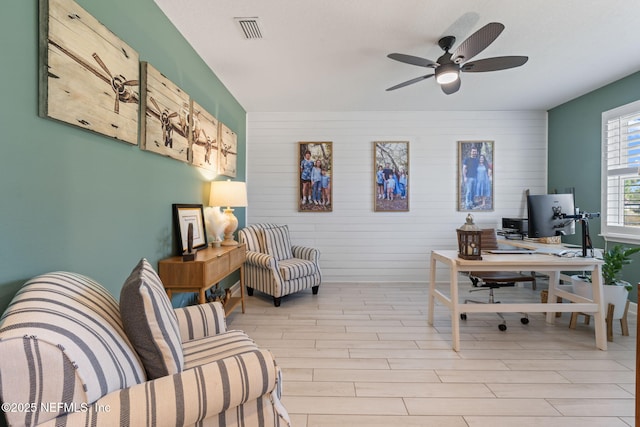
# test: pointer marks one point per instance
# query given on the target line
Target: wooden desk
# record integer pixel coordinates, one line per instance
(210, 267)
(550, 264)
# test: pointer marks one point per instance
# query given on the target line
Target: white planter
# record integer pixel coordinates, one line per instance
(567, 287)
(616, 295)
(581, 287)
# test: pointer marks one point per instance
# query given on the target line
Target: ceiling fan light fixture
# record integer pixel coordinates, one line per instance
(450, 64)
(447, 73)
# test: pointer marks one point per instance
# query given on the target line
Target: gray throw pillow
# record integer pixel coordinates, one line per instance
(150, 322)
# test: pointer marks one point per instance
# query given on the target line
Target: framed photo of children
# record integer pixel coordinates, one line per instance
(391, 176)
(315, 176)
(475, 176)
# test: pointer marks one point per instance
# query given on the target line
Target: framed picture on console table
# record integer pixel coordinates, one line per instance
(476, 164)
(315, 176)
(183, 215)
(391, 176)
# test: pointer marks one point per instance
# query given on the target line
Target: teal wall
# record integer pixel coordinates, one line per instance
(78, 201)
(575, 140)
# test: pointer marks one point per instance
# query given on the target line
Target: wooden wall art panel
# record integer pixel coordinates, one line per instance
(204, 144)
(228, 154)
(88, 76)
(166, 120)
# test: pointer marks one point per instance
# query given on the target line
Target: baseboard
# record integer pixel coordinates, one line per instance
(235, 290)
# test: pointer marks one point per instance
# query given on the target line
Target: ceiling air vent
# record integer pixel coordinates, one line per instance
(250, 28)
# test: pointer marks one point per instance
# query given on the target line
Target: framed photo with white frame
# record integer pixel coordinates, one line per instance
(476, 163)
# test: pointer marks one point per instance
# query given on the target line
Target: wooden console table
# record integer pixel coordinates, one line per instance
(210, 267)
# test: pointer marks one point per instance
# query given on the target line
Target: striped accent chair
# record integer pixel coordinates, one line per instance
(65, 360)
(274, 266)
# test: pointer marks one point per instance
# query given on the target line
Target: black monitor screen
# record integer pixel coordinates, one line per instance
(545, 215)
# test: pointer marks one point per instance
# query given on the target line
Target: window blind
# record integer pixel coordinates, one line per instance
(621, 172)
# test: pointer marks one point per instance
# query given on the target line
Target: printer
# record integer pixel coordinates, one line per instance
(514, 228)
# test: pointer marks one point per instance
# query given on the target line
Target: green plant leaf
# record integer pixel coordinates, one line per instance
(614, 261)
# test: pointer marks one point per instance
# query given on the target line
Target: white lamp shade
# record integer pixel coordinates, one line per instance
(228, 193)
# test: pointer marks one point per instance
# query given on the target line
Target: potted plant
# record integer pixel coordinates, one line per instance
(614, 261)
(616, 290)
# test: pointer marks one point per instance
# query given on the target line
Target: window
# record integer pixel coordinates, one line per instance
(621, 173)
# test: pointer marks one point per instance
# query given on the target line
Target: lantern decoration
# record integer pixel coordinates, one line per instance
(469, 241)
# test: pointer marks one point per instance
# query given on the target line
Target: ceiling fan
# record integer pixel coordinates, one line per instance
(448, 67)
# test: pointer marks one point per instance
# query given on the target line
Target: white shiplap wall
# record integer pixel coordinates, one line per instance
(358, 244)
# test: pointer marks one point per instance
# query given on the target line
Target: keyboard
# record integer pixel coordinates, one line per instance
(550, 251)
(511, 251)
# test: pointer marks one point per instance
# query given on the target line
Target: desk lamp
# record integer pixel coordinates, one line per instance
(228, 193)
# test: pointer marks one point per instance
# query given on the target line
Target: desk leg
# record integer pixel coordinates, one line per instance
(601, 333)
(201, 296)
(455, 311)
(554, 280)
(432, 289)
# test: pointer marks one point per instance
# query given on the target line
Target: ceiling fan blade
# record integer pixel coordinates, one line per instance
(410, 82)
(413, 60)
(494, 64)
(477, 42)
(452, 87)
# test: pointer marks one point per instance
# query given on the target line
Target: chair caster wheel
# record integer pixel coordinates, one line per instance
(502, 327)
(463, 316)
(524, 321)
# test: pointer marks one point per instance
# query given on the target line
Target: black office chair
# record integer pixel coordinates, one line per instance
(491, 280)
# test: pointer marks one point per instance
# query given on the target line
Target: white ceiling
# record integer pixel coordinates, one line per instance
(330, 55)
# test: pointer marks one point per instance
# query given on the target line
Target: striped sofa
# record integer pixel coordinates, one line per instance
(67, 359)
(274, 266)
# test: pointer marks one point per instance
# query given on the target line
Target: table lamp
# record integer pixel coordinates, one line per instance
(228, 193)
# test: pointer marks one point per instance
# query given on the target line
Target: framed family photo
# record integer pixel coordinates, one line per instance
(315, 161)
(391, 176)
(475, 176)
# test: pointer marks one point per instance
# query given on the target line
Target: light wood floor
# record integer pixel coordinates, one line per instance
(363, 355)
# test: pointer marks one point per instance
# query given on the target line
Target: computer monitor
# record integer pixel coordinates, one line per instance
(545, 213)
